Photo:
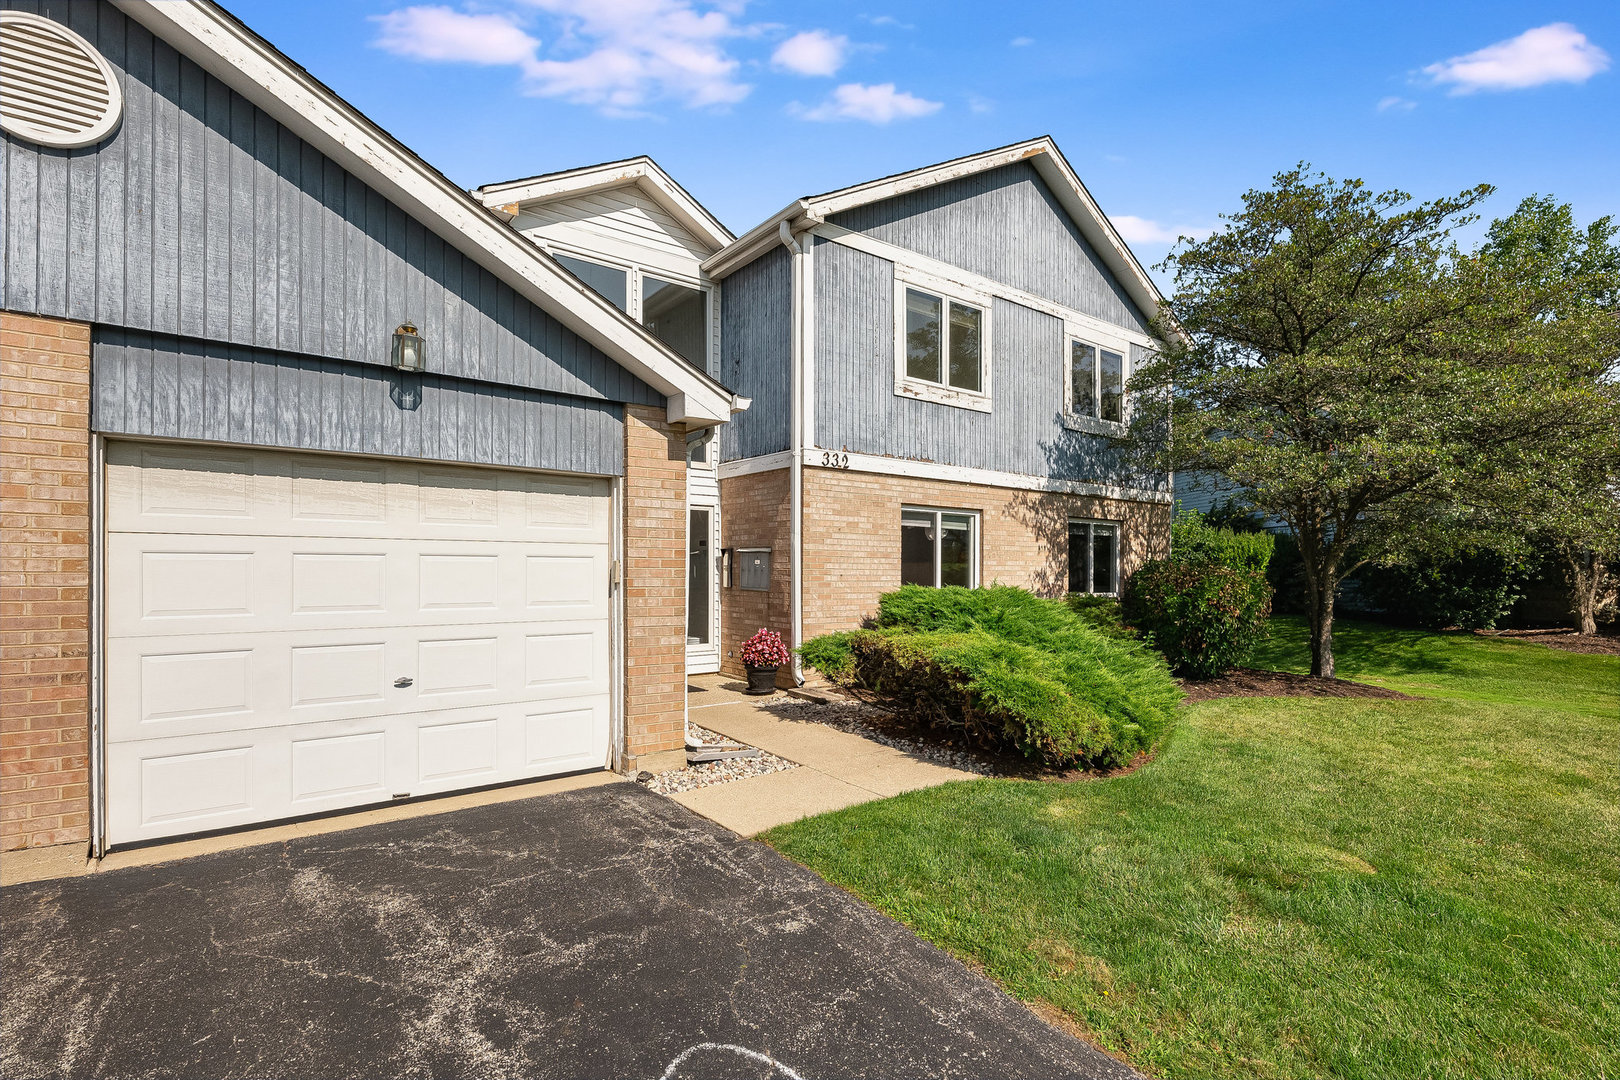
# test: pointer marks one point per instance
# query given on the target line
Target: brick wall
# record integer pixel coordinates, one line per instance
(654, 582)
(852, 537)
(754, 513)
(44, 581)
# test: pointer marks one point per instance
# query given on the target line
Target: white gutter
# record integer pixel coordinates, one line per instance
(801, 318)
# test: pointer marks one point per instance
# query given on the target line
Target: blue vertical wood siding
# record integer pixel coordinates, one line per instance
(202, 217)
(185, 388)
(1006, 225)
(756, 353)
(857, 409)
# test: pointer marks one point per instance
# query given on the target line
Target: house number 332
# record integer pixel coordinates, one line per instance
(832, 459)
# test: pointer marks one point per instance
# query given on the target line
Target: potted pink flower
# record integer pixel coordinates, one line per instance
(762, 654)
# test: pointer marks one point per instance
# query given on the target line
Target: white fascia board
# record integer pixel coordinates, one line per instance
(239, 58)
(641, 172)
(755, 242)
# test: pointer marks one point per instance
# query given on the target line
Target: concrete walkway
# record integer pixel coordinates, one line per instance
(836, 770)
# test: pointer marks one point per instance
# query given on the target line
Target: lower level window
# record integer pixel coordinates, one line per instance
(938, 547)
(1093, 557)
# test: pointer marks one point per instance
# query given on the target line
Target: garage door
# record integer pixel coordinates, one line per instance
(294, 633)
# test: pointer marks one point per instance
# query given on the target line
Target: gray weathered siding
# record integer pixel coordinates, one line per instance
(756, 353)
(203, 217)
(857, 409)
(1006, 225)
(180, 388)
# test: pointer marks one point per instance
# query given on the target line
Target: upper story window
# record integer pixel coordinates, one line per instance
(1096, 382)
(674, 312)
(942, 346)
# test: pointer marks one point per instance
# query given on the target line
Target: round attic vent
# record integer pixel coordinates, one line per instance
(55, 88)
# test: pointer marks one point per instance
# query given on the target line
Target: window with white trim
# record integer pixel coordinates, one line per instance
(1096, 381)
(676, 313)
(939, 547)
(1094, 557)
(942, 345)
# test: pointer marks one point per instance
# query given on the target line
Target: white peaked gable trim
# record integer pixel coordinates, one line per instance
(1041, 153)
(253, 68)
(641, 172)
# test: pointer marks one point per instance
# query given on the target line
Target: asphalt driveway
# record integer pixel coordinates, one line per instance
(599, 933)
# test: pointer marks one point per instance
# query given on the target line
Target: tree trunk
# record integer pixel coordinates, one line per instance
(1584, 578)
(1320, 566)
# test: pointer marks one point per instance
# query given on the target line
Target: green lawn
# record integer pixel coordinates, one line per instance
(1300, 887)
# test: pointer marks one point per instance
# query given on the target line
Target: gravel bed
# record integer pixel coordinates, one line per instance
(712, 772)
(859, 718)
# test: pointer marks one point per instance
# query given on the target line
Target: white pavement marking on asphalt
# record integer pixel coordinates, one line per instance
(752, 1055)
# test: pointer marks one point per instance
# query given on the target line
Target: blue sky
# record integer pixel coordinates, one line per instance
(1168, 111)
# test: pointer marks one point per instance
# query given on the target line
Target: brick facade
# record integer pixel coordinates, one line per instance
(44, 581)
(755, 513)
(654, 583)
(852, 542)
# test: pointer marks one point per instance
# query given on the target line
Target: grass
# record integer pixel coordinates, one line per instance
(1300, 887)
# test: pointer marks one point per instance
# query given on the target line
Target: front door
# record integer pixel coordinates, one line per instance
(702, 567)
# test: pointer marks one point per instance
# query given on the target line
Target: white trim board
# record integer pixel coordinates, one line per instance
(253, 68)
(932, 470)
(641, 171)
(918, 265)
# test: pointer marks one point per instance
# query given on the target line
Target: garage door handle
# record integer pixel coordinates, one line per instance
(403, 681)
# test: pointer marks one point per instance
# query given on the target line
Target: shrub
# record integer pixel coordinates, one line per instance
(765, 650)
(1205, 607)
(1003, 668)
(1472, 589)
(1102, 612)
(1193, 539)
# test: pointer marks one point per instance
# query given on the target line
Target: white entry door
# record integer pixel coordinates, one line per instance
(294, 633)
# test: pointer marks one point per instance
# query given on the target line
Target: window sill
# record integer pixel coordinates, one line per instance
(1092, 426)
(918, 390)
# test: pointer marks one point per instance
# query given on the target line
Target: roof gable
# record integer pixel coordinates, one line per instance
(253, 68)
(582, 192)
(1041, 154)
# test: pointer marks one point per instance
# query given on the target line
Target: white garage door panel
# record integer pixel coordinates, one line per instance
(262, 605)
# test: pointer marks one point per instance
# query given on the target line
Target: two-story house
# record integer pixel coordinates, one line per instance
(935, 361)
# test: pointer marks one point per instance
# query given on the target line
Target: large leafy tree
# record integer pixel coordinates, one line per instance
(1333, 354)
(1563, 493)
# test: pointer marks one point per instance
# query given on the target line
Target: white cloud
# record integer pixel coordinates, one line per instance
(878, 104)
(1138, 230)
(431, 32)
(813, 52)
(1020, 42)
(980, 105)
(1556, 52)
(1398, 104)
(616, 55)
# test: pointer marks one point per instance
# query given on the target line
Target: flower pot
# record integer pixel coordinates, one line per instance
(761, 680)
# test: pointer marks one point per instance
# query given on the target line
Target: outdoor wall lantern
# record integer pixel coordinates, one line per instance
(410, 351)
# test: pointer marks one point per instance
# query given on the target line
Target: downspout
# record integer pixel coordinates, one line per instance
(796, 440)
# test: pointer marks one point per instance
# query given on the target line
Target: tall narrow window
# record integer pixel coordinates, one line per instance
(1113, 388)
(610, 281)
(699, 576)
(1093, 557)
(938, 547)
(1083, 376)
(922, 335)
(677, 315)
(965, 325)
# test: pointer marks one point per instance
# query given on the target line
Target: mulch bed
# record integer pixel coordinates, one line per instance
(1567, 640)
(1248, 682)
